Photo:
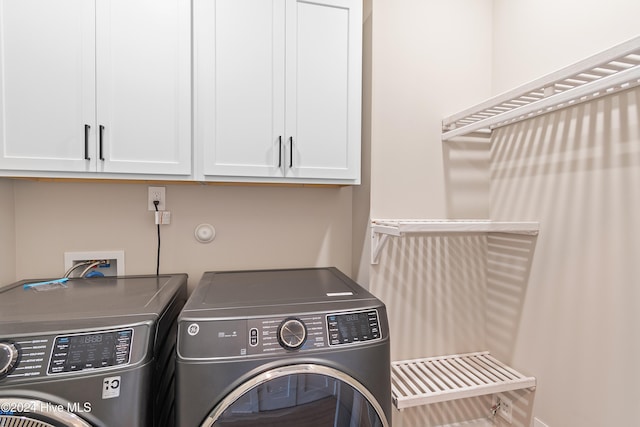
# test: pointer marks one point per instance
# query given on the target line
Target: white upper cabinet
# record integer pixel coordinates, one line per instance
(278, 90)
(47, 84)
(144, 86)
(95, 86)
(323, 87)
(239, 86)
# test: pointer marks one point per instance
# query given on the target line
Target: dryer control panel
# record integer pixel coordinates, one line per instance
(213, 339)
(280, 334)
(347, 328)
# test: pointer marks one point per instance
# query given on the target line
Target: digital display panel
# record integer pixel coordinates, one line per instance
(90, 351)
(347, 328)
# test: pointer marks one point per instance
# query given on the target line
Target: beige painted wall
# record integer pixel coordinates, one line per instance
(536, 37)
(578, 328)
(567, 313)
(257, 227)
(430, 59)
(578, 172)
(362, 194)
(7, 233)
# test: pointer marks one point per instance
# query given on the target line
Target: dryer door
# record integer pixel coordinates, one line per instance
(21, 412)
(299, 395)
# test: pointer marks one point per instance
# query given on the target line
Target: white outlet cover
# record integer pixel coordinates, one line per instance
(161, 192)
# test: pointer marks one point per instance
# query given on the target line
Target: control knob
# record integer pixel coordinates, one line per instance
(8, 358)
(292, 333)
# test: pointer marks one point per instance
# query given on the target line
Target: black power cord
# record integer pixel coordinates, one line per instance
(156, 203)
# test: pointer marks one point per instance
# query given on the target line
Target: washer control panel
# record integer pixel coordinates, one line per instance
(23, 358)
(9, 354)
(90, 351)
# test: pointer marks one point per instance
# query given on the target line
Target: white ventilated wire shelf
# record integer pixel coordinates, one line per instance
(381, 229)
(612, 70)
(397, 227)
(439, 379)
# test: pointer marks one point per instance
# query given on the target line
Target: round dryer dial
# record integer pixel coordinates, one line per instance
(8, 358)
(292, 333)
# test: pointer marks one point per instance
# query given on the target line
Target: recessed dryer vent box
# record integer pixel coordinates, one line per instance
(114, 266)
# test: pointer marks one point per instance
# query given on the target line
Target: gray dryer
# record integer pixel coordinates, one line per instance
(298, 347)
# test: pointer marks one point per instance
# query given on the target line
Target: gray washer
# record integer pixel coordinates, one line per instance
(96, 352)
(284, 348)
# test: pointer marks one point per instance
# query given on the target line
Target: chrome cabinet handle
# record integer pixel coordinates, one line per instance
(280, 151)
(100, 141)
(86, 142)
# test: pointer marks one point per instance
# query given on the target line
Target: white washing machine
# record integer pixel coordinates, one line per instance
(299, 347)
(93, 352)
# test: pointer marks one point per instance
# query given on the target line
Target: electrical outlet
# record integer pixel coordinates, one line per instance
(505, 407)
(156, 193)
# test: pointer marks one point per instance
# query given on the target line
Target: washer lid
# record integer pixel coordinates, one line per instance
(262, 288)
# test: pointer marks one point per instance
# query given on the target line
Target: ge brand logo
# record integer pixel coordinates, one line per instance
(193, 329)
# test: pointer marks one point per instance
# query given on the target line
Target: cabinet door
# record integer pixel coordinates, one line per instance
(323, 87)
(143, 86)
(47, 85)
(239, 86)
